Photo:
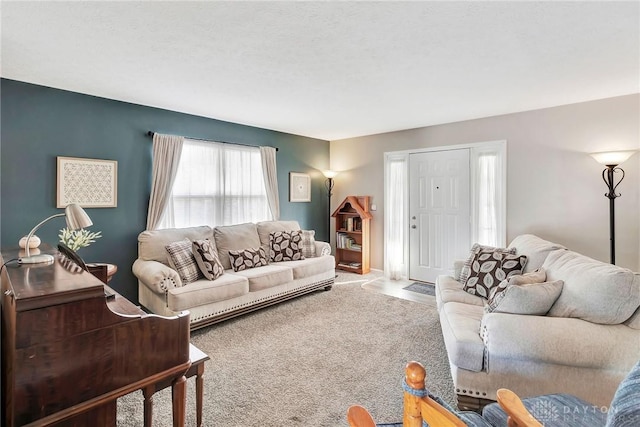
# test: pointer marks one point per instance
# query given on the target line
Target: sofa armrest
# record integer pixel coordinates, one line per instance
(322, 248)
(156, 276)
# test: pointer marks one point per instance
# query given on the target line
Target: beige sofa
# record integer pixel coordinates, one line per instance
(161, 291)
(585, 344)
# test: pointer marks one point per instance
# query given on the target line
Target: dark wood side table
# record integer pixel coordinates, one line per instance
(197, 358)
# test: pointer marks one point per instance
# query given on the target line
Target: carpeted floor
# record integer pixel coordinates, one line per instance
(305, 361)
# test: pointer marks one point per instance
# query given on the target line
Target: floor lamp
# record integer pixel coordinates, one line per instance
(329, 174)
(611, 159)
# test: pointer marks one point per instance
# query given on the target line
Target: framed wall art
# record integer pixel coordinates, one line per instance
(299, 187)
(91, 183)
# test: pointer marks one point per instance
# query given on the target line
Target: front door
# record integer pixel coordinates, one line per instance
(439, 212)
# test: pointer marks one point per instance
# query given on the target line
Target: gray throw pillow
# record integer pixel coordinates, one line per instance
(182, 261)
(245, 259)
(206, 255)
(531, 299)
(538, 276)
(473, 253)
(286, 246)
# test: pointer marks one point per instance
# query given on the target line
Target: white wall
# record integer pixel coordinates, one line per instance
(554, 188)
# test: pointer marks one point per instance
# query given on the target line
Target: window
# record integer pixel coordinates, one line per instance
(217, 184)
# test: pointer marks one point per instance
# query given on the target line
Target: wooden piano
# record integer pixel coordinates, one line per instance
(68, 353)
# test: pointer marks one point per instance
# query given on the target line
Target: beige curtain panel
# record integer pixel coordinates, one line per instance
(167, 150)
(270, 172)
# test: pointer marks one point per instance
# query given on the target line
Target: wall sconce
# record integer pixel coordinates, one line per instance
(611, 159)
(76, 218)
(329, 174)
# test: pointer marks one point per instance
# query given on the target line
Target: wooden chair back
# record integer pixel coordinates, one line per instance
(419, 407)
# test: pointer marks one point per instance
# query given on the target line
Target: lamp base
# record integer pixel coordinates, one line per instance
(37, 259)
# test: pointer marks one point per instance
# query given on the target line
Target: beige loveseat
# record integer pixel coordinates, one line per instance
(161, 291)
(584, 345)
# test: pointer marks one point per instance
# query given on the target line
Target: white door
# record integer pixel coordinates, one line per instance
(439, 212)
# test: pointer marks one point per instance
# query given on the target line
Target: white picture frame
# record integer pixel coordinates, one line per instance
(299, 187)
(91, 183)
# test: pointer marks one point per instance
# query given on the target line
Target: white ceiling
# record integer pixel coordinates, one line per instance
(329, 70)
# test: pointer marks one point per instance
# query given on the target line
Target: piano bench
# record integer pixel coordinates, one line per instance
(197, 358)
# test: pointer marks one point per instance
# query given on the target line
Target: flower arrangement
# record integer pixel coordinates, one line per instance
(76, 239)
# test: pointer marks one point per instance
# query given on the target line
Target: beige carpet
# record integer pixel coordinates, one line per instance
(305, 361)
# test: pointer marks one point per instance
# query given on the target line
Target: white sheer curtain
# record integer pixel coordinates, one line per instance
(395, 217)
(270, 173)
(167, 150)
(487, 202)
(217, 184)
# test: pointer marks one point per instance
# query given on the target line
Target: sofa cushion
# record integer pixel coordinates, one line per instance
(248, 258)
(151, 243)
(535, 248)
(206, 255)
(593, 290)
(310, 266)
(473, 253)
(204, 292)
(235, 237)
(488, 269)
(308, 243)
(267, 277)
(265, 228)
(461, 331)
(450, 290)
(528, 298)
(285, 246)
(538, 276)
(183, 262)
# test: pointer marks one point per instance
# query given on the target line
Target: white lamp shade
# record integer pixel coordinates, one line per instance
(612, 158)
(330, 174)
(76, 217)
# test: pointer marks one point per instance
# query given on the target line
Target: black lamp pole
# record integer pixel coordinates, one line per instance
(609, 179)
(329, 184)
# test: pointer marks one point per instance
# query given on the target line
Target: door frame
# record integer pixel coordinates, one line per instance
(497, 146)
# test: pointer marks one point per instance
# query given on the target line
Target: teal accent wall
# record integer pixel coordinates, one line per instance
(40, 123)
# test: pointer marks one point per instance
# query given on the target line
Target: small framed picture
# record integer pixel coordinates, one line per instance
(91, 183)
(299, 187)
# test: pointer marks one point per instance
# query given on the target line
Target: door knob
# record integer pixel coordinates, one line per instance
(414, 226)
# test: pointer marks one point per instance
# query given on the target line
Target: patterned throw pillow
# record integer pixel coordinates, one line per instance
(182, 261)
(245, 259)
(497, 293)
(475, 249)
(488, 269)
(286, 245)
(206, 255)
(308, 243)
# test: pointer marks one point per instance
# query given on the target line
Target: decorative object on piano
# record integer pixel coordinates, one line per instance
(34, 242)
(91, 183)
(76, 239)
(299, 187)
(76, 218)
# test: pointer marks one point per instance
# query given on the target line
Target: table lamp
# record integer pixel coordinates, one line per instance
(76, 219)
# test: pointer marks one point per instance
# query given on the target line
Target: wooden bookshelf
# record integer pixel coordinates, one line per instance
(352, 219)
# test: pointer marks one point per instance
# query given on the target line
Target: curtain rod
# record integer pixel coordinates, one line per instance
(151, 133)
